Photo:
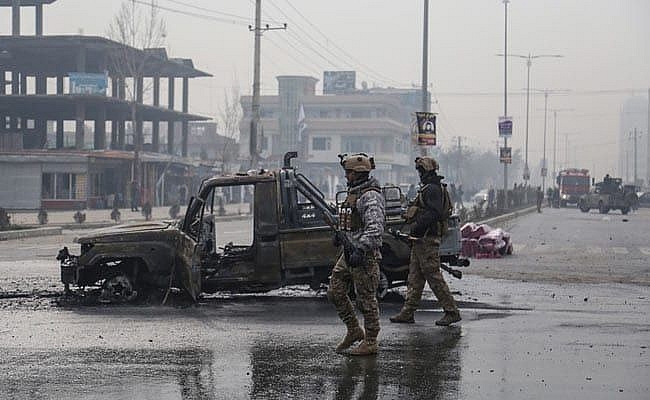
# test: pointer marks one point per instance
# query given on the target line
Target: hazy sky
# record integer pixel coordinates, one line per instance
(604, 44)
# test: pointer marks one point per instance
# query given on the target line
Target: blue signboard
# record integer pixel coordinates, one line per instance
(505, 126)
(87, 83)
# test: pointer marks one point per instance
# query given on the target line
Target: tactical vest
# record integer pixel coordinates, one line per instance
(349, 217)
(441, 226)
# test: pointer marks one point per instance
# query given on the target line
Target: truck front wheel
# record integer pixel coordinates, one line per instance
(118, 289)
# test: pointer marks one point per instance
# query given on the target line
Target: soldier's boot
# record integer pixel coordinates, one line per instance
(354, 334)
(404, 317)
(449, 318)
(366, 348)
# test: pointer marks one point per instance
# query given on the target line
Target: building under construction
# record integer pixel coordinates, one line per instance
(75, 129)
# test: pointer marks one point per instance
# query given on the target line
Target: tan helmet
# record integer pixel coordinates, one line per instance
(426, 163)
(358, 162)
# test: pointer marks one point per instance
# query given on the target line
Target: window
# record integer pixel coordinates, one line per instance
(63, 186)
(356, 144)
(321, 143)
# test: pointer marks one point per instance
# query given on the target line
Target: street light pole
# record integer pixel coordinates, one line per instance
(505, 98)
(544, 169)
(529, 62)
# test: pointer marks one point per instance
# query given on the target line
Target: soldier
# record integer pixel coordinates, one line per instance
(429, 215)
(361, 220)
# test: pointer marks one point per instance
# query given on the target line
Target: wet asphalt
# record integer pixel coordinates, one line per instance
(525, 334)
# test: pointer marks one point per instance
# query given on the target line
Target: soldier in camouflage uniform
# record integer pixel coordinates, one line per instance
(427, 215)
(361, 220)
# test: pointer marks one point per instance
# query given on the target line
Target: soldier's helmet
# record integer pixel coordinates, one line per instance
(358, 162)
(426, 163)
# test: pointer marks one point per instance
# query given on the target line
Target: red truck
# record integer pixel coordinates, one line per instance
(572, 183)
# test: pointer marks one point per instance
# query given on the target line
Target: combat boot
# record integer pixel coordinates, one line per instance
(365, 348)
(402, 318)
(354, 334)
(449, 318)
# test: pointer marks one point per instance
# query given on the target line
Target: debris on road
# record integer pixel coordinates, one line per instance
(482, 241)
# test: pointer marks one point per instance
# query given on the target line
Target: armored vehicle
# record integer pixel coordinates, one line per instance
(607, 195)
(289, 242)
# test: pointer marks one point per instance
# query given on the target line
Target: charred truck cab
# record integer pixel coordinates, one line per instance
(290, 242)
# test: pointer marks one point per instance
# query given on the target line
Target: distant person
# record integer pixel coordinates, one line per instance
(135, 196)
(540, 198)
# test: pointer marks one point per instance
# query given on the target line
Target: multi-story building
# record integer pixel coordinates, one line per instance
(319, 127)
(48, 83)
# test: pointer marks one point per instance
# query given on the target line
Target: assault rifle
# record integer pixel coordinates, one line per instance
(307, 189)
(401, 236)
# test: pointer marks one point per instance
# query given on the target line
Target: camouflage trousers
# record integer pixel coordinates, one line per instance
(365, 280)
(425, 267)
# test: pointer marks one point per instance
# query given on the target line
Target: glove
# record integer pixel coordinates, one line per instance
(336, 240)
(357, 258)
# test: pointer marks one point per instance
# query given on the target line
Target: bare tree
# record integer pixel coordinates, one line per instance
(230, 116)
(136, 28)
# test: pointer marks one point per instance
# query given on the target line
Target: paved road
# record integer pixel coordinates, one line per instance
(530, 330)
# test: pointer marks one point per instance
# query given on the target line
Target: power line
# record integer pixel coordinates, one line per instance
(191, 14)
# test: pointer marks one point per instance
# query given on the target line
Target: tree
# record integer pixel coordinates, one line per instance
(230, 116)
(136, 28)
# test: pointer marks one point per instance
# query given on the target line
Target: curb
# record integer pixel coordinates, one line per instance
(58, 230)
(28, 233)
(495, 221)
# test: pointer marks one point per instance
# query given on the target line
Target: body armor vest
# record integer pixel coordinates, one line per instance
(349, 216)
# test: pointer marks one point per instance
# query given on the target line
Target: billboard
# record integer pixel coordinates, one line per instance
(505, 126)
(426, 128)
(87, 83)
(505, 155)
(339, 82)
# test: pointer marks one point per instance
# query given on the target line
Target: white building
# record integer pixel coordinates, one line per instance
(375, 121)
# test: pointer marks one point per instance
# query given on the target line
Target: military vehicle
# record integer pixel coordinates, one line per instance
(290, 243)
(607, 195)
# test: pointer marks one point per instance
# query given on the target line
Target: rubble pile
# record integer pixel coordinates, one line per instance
(482, 241)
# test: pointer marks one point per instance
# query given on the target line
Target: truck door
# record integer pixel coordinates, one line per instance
(187, 266)
(266, 243)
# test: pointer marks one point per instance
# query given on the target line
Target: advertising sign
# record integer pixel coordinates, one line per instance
(505, 126)
(338, 82)
(86, 83)
(544, 172)
(426, 123)
(505, 155)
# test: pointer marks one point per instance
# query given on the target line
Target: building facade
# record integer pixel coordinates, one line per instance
(319, 127)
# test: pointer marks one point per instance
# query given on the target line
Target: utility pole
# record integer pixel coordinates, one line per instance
(529, 62)
(544, 162)
(555, 111)
(458, 163)
(425, 66)
(255, 107)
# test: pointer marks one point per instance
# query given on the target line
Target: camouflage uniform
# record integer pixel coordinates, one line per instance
(365, 229)
(425, 258)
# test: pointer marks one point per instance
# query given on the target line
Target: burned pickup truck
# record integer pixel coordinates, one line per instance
(288, 241)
